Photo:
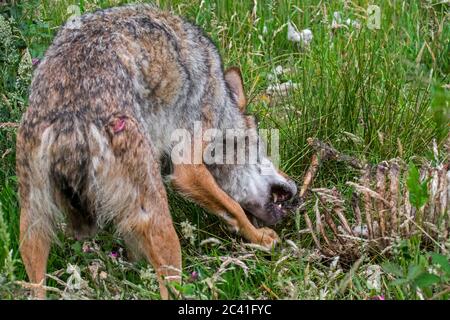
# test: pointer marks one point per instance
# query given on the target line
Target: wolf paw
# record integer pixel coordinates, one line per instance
(267, 237)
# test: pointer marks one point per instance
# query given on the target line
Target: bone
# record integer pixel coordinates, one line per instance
(386, 211)
(331, 153)
(394, 176)
(311, 229)
(365, 179)
(380, 187)
(319, 226)
(309, 176)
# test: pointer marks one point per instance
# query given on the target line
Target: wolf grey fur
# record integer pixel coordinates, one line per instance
(154, 69)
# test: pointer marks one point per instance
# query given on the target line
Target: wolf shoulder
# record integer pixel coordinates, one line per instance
(157, 57)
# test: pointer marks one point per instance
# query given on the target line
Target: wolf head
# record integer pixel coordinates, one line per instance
(263, 191)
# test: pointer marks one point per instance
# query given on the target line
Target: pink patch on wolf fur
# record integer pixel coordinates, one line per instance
(119, 125)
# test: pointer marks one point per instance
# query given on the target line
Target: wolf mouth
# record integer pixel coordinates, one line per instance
(276, 209)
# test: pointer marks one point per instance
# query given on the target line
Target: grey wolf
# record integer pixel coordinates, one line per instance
(102, 104)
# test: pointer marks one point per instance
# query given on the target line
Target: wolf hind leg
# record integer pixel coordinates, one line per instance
(159, 243)
(39, 213)
(129, 191)
(35, 243)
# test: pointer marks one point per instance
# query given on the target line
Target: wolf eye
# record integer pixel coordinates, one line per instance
(251, 120)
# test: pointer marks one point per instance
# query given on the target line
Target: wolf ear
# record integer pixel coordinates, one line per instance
(234, 79)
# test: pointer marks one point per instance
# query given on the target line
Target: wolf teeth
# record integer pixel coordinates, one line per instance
(279, 206)
(274, 195)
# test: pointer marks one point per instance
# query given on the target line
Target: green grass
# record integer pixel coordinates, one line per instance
(374, 94)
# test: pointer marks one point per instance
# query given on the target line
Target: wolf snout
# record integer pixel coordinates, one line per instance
(281, 192)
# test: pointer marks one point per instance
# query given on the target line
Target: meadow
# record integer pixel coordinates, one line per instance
(374, 92)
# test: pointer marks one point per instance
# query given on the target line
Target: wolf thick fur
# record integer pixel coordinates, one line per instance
(103, 103)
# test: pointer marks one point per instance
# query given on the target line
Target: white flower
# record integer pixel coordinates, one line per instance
(293, 35)
(282, 89)
(74, 281)
(337, 21)
(264, 30)
(277, 71)
(304, 37)
(187, 229)
(72, 269)
(361, 231)
(148, 276)
(373, 274)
